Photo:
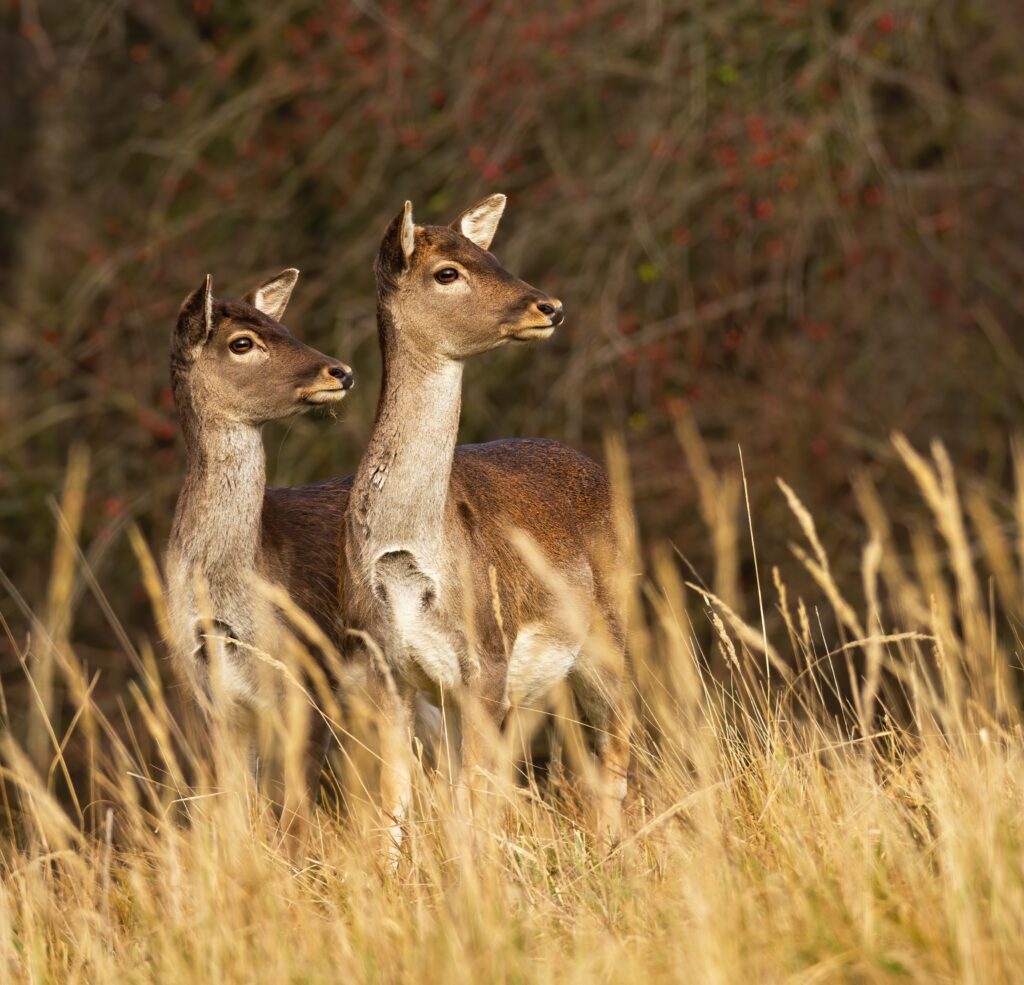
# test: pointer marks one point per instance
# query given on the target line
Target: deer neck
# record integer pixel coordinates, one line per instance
(217, 522)
(401, 488)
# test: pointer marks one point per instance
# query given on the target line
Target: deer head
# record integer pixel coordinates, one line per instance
(235, 361)
(449, 293)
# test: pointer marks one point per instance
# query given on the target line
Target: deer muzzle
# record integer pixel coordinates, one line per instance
(335, 381)
(547, 309)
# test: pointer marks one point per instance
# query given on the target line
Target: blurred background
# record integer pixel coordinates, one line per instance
(789, 227)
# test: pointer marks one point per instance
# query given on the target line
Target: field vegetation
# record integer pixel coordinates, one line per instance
(787, 236)
(807, 804)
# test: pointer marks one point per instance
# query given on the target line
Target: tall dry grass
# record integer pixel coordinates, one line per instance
(826, 789)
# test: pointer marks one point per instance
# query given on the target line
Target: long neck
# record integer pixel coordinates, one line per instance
(401, 488)
(218, 516)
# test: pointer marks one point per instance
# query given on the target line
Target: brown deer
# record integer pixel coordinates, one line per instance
(484, 574)
(234, 367)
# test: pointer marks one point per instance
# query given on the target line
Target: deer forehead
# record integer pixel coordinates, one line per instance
(437, 242)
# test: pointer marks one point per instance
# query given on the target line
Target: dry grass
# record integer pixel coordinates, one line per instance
(850, 811)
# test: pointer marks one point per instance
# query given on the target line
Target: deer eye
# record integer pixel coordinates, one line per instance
(241, 345)
(446, 275)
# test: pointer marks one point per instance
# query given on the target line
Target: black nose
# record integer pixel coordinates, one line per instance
(344, 374)
(553, 309)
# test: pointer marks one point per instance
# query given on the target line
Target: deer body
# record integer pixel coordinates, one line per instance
(233, 367)
(436, 569)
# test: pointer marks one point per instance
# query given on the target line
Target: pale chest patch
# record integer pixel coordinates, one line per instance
(419, 647)
(539, 660)
(234, 615)
(235, 676)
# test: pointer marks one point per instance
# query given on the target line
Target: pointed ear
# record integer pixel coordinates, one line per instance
(272, 296)
(479, 223)
(398, 244)
(195, 320)
(408, 231)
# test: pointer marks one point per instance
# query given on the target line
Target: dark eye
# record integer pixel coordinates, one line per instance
(446, 275)
(241, 345)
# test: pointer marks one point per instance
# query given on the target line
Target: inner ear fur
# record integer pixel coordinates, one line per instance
(479, 223)
(398, 244)
(272, 296)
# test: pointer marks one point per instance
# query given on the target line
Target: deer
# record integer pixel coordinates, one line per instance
(481, 575)
(233, 368)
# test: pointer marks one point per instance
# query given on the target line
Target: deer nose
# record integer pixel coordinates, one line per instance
(553, 310)
(343, 375)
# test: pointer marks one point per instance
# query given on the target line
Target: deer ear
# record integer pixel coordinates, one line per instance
(272, 296)
(479, 223)
(408, 232)
(398, 244)
(195, 320)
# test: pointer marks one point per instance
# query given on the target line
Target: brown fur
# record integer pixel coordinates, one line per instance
(299, 526)
(226, 528)
(429, 525)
